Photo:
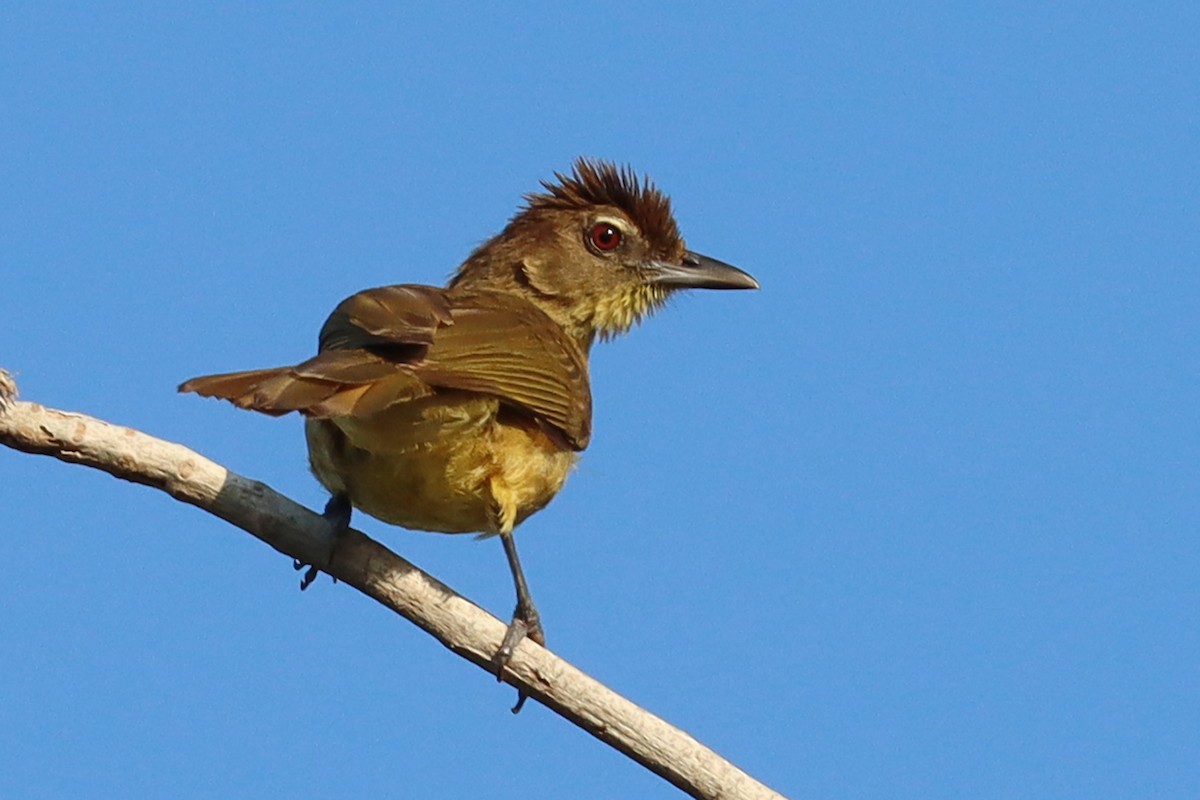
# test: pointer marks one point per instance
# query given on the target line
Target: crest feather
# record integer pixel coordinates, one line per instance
(601, 183)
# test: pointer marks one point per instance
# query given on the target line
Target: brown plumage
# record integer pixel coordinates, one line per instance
(463, 409)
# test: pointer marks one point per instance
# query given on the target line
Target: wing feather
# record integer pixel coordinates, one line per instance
(395, 344)
(503, 345)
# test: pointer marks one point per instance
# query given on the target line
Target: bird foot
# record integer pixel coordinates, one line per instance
(337, 512)
(311, 575)
(525, 624)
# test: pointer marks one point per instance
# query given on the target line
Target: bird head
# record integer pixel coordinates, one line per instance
(597, 250)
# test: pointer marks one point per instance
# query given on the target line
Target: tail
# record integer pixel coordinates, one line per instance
(256, 389)
(334, 384)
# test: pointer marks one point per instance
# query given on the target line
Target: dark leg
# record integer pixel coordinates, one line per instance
(337, 511)
(525, 620)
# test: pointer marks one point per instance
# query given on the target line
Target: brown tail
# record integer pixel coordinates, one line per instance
(244, 389)
(333, 384)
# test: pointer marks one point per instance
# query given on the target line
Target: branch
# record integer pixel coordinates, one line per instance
(380, 574)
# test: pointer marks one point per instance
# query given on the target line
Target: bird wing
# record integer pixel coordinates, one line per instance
(404, 315)
(503, 345)
(395, 344)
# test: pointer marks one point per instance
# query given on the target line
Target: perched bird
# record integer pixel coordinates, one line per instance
(463, 409)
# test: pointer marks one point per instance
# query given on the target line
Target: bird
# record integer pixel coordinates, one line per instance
(462, 409)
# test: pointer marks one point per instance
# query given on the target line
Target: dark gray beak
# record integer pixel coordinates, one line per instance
(695, 271)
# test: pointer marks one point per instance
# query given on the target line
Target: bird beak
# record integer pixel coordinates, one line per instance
(695, 271)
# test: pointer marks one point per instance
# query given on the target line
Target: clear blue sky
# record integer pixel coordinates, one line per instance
(919, 519)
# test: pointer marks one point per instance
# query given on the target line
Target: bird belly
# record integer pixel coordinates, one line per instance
(453, 463)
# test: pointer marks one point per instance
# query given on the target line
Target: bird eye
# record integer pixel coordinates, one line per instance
(605, 236)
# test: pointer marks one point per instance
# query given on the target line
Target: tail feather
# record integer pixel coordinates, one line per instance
(287, 392)
(269, 391)
(322, 387)
(231, 386)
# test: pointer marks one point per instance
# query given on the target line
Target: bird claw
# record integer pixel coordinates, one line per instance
(525, 624)
(337, 512)
(309, 576)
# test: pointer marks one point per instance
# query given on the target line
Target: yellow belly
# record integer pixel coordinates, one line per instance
(454, 463)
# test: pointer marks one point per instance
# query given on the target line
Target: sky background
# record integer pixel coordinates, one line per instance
(918, 519)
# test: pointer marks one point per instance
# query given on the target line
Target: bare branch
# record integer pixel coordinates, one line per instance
(379, 573)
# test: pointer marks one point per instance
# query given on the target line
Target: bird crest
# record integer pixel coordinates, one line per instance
(601, 183)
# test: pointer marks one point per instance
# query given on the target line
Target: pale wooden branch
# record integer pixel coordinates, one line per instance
(379, 573)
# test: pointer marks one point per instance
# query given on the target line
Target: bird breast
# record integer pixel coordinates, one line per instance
(453, 463)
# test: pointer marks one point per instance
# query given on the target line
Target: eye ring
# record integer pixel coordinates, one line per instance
(605, 237)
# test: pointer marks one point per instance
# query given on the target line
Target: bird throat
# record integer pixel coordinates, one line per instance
(615, 313)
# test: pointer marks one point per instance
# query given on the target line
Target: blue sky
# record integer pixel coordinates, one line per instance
(918, 519)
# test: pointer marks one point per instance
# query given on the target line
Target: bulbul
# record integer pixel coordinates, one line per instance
(462, 409)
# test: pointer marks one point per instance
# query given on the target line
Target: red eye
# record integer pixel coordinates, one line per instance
(605, 236)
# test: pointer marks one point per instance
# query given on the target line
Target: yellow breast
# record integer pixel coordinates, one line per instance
(454, 463)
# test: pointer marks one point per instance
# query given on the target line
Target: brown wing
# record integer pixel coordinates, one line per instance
(503, 345)
(407, 314)
(396, 343)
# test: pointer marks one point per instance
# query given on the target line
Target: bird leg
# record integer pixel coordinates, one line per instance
(337, 512)
(525, 621)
